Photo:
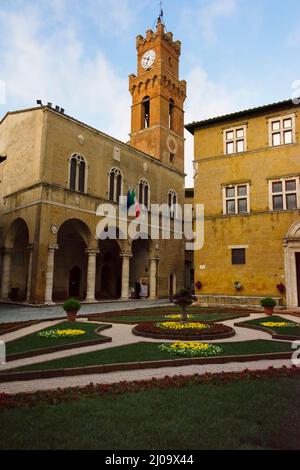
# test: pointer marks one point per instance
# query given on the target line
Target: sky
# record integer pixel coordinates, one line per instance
(236, 54)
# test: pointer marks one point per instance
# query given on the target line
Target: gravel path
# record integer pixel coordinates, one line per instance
(114, 377)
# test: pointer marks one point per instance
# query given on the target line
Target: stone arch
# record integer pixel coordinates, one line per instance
(78, 173)
(16, 256)
(10, 234)
(79, 226)
(294, 230)
(73, 239)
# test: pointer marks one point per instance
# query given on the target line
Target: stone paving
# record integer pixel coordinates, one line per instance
(121, 335)
(14, 313)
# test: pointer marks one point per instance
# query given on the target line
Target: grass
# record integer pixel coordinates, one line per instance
(33, 341)
(289, 331)
(140, 352)
(244, 415)
(140, 318)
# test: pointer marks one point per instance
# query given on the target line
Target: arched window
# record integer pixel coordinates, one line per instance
(144, 193)
(146, 112)
(78, 173)
(115, 185)
(171, 114)
(172, 201)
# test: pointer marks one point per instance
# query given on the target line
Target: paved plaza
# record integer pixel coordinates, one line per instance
(13, 313)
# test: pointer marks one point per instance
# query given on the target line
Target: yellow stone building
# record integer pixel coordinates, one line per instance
(55, 171)
(247, 169)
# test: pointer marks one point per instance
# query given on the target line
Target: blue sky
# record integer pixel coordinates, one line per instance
(78, 54)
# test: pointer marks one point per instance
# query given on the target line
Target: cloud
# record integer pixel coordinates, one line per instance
(52, 65)
(205, 17)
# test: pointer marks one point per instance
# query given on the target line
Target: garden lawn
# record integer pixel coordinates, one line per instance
(140, 352)
(141, 318)
(33, 341)
(289, 331)
(247, 414)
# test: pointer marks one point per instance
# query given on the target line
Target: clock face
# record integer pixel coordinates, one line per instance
(148, 59)
(172, 145)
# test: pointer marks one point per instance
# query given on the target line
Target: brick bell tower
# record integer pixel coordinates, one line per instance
(158, 96)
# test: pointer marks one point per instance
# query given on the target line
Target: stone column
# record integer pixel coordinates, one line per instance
(91, 275)
(49, 274)
(125, 275)
(153, 279)
(29, 249)
(6, 267)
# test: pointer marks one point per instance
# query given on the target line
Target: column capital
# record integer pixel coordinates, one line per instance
(126, 255)
(53, 247)
(154, 258)
(92, 251)
(7, 251)
(30, 247)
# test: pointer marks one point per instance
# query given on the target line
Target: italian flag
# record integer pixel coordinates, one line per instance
(132, 201)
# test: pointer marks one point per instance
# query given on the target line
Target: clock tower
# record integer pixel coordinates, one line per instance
(157, 116)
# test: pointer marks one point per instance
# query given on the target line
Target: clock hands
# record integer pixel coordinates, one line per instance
(148, 59)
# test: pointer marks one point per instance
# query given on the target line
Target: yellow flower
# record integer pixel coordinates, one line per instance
(182, 325)
(177, 317)
(282, 324)
(70, 332)
(191, 348)
(61, 333)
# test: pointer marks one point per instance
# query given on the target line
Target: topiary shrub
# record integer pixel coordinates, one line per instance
(183, 300)
(72, 305)
(268, 303)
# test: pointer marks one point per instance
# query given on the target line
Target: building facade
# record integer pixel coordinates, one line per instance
(247, 169)
(54, 173)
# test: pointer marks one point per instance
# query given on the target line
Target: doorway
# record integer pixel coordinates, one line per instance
(172, 284)
(298, 275)
(106, 282)
(74, 282)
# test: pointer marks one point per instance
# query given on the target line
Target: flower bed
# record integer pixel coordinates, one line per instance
(66, 335)
(183, 325)
(279, 324)
(61, 333)
(191, 349)
(55, 397)
(183, 330)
